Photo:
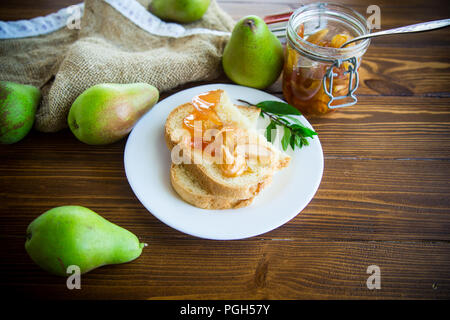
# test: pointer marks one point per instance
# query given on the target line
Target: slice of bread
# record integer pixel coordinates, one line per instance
(188, 188)
(192, 192)
(209, 174)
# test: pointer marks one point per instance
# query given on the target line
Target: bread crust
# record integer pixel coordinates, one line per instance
(203, 200)
(220, 189)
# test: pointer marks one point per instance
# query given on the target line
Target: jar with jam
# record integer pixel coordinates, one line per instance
(318, 75)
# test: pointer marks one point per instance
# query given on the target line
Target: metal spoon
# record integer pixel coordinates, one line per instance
(419, 27)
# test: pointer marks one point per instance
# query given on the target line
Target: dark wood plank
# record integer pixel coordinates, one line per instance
(392, 71)
(378, 200)
(250, 269)
(28, 9)
(388, 128)
(405, 72)
(362, 199)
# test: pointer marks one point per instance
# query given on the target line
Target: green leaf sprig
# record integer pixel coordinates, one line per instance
(295, 134)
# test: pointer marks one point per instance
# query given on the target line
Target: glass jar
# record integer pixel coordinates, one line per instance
(317, 77)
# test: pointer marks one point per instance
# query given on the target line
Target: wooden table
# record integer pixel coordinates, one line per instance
(384, 198)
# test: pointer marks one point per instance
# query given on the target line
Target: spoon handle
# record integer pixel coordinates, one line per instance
(419, 27)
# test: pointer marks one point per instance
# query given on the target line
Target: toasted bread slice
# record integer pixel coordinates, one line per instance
(189, 189)
(192, 192)
(209, 174)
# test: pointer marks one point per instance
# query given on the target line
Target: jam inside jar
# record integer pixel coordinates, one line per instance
(315, 33)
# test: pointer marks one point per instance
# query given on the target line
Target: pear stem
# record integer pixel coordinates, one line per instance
(250, 23)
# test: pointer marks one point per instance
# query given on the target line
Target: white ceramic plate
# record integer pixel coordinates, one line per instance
(147, 165)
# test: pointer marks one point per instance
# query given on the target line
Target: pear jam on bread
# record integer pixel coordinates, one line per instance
(228, 162)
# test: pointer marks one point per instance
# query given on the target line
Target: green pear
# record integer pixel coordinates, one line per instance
(183, 11)
(18, 104)
(253, 56)
(75, 235)
(105, 113)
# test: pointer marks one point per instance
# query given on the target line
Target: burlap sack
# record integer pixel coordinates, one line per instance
(109, 47)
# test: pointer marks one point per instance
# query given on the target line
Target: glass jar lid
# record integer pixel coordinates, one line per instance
(338, 19)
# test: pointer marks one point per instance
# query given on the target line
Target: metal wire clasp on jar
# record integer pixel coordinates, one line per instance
(318, 76)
